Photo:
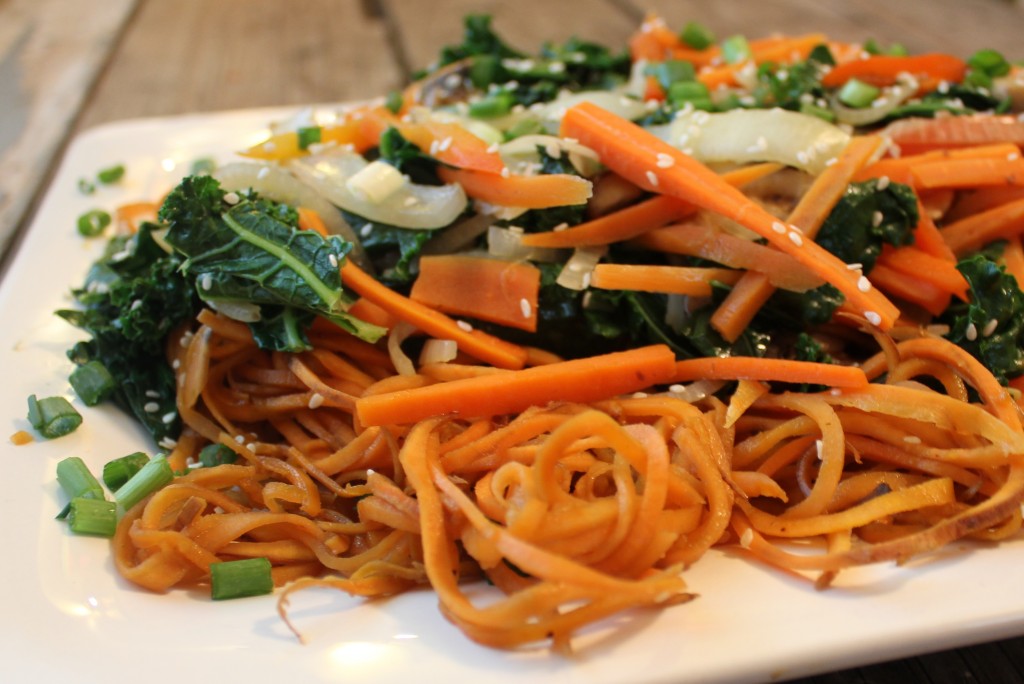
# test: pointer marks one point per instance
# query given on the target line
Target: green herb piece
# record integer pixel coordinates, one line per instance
(53, 416)
(92, 223)
(216, 454)
(496, 104)
(990, 62)
(240, 578)
(86, 186)
(697, 36)
(394, 101)
(111, 174)
(872, 47)
(671, 71)
(735, 49)
(151, 477)
(823, 113)
(309, 135)
(77, 481)
(92, 382)
(117, 472)
(694, 92)
(858, 94)
(93, 517)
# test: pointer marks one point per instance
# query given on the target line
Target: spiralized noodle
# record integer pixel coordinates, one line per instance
(573, 512)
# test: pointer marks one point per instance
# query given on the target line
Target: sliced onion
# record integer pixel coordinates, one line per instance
(575, 275)
(523, 151)
(506, 243)
(891, 98)
(458, 236)
(438, 351)
(778, 135)
(412, 206)
(276, 183)
(398, 334)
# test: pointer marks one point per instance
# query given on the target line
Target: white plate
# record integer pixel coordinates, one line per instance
(68, 615)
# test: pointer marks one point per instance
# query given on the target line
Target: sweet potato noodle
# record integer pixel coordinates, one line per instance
(575, 512)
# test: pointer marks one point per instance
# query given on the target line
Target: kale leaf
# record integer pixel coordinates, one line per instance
(991, 326)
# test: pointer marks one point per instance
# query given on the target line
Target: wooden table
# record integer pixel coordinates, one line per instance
(67, 65)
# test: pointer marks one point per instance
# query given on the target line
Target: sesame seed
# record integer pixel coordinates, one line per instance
(747, 538)
(872, 317)
(434, 146)
(652, 178)
(676, 388)
(410, 201)
(366, 229)
(801, 157)
(1013, 156)
(464, 325)
(151, 407)
(639, 395)
(333, 259)
(525, 307)
(989, 328)
(168, 418)
(831, 161)
(239, 438)
(505, 173)
(796, 239)
(560, 227)
(778, 227)
(444, 144)
(251, 446)
(836, 392)
(316, 400)
(883, 183)
(493, 148)
(176, 364)
(152, 394)
(665, 161)
(855, 267)
(863, 284)
(231, 197)
(911, 439)
(971, 332)
(206, 282)
(818, 446)
(269, 146)
(167, 443)
(876, 219)
(556, 67)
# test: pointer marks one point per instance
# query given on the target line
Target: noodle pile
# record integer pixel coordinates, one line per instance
(574, 512)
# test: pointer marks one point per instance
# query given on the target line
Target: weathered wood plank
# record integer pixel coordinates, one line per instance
(50, 53)
(194, 55)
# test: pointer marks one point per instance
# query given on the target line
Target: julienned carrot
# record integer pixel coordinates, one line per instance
(528, 192)
(638, 218)
(707, 242)
(1013, 259)
(974, 232)
(740, 306)
(779, 370)
(920, 135)
(309, 219)
(927, 237)
(667, 279)
(898, 167)
(969, 173)
(452, 144)
(982, 199)
(128, 217)
(502, 292)
(365, 310)
(580, 380)
(653, 164)
(780, 50)
(885, 70)
(474, 342)
(912, 261)
(910, 288)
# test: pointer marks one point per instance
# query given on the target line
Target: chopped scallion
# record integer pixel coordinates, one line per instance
(735, 49)
(240, 578)
(820, 112)
(524, 127)
(53, 416)
(96, 517)
(117, 472)
(394, 101)
(856, 93)
(694, 92)
(215, 455)
(92, 382)
(111, 174)
(697, 36)
(671, 71)
(309, 136)
(76, 480)
(150, 478)
(92, 223)
(86, 186)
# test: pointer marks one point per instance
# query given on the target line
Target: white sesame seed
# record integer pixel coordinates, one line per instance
(802, 157)
(231, 197)
(137, 304)
(434, 145)
(778, 227)
(818, 446)
(240, 438)
(795, 238)
(464, 325)
(444, 144)
(989, 328)
(872, 317)
(410, 201)
(747, 538)
(152, 394)
(151, 407)
(911, 439)
(493, 148)
(316, 400)
(168, 417)
(863, 284)
(883, 183)
(333, 259)
(505, 173)
(524, 306)
(639, 395)
(876, 219)
(269, 146)
(855, 267)
(665, 161)
(1013, 156)
(167, 443)
(206, 282)
(176, 364)
(366, 229)
(831, 161)
(251, 446)
(677, 388)
(836, 392)
(652, 178)
(971, 332)
(560, 227)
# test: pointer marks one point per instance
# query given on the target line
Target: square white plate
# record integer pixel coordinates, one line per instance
(66, 613)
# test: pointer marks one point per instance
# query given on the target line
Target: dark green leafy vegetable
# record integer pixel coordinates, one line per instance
(215, 455)
(407, 158)
(53, 416)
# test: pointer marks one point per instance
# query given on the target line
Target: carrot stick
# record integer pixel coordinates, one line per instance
(885, 70)
(916, 263)
(653, 164)
(740, 306)
(309, 219)
(667, 279)
(452, 144)
(974, 232)
(529, 192)
(365, 310)
(982, 199)
(928, 238)
(579, 380)
(1013, 259)
(910, 288)
(502, 292)
(918, 135)
(474, 342)
(969, 173)
(897, 167)
(638, 218)
(780, 370)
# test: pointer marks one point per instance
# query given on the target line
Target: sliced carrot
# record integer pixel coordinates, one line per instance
(740, 306)
(982, 199)
(898, 167)
(885, 70)
(365, 310)
(667, 279)
(476, 343)
(309, 219)
(502, 292)
(580, 380)
(452, 144)
(529, 192)
(777, 370)
(128, 217)
(920, 135)
(969, 173)
(916, 263)
(976, 231)
(927, 237)
(1013, 259)
(638, 218)
(651, 163)
(352, 130)
(910, 288)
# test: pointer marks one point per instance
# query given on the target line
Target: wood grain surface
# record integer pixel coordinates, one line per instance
(67, 65)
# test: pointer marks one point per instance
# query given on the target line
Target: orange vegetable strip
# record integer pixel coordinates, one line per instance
(653, 164)
(529, 192)
(740, 306)
(897, 167)
(1013, 259)
(667, 279)
(974, 232)
(917, 135)
(928, 238)
(780, 370)
(909, 287)
(982, 199)
(884, 70)
(309, 219)
(476, 343)
(969, 173)
(580, 380)
(638, 218)
(502, 292)
(914, 262)
(129, 217)
(452, 144)
(782, 50)
(365, 310)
